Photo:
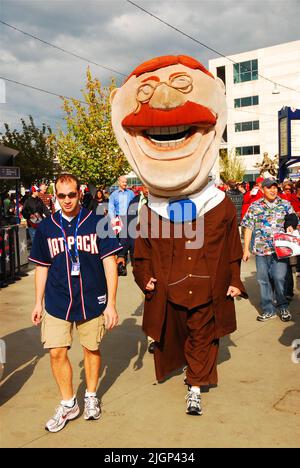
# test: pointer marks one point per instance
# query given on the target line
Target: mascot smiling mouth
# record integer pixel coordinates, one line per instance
(169, 130)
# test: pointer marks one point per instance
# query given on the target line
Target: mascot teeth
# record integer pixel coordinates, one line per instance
(167, 130)
(168, 136)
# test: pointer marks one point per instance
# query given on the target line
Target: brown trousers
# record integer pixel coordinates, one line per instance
(188, 339)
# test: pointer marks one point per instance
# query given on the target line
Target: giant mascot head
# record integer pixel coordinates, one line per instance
(169, 117)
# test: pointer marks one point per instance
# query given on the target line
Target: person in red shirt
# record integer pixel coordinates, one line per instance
(287, 190)
(297, 196)
(289, 195)
(251, 196)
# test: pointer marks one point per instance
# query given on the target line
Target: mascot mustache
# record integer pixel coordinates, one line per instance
(188, 114)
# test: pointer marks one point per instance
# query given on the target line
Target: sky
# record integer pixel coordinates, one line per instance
(119, 36)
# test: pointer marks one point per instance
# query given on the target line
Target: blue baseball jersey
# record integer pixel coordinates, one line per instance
(82, 297)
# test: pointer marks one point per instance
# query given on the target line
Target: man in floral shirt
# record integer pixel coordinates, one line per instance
(263, 218)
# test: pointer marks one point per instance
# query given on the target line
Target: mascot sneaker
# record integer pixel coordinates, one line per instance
(193, 404)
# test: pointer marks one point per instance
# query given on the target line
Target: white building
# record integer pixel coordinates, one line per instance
(253, 101)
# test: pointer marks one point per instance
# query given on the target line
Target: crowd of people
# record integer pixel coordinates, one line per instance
(120, 205)
(262, 210)
(243, 195)
(266, 209)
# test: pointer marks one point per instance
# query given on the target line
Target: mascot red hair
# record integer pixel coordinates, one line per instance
(169, 117)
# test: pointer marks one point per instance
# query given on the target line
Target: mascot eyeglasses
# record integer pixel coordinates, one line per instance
(182, 82)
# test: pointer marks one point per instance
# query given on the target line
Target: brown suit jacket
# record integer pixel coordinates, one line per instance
(153, 257)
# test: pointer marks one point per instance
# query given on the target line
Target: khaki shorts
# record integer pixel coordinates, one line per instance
(58, 333)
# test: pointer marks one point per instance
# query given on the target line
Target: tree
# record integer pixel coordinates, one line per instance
(88, 148)
(36, 157)
(232, 168)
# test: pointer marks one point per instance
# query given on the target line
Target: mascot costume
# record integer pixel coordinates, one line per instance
(168, 118)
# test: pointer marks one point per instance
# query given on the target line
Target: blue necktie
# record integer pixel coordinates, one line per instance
(181, 211)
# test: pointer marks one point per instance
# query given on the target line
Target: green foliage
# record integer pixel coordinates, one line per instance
(51, 189)
(88, 148)
(231, 167)
(223, 153)
(36, 157)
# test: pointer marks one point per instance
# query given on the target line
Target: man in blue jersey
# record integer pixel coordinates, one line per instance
(76, 272)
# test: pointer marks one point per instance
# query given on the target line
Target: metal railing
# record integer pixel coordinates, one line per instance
(10, 266)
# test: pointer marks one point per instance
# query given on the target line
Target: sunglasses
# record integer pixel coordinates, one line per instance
(62, 196)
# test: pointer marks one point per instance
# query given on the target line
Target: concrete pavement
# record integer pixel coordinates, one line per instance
(257, 402)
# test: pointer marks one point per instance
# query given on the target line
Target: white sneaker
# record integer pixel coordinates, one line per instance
(62, 415)
(92, 409)
(193, 406)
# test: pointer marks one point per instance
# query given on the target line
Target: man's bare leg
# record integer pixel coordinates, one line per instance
(62, 371)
